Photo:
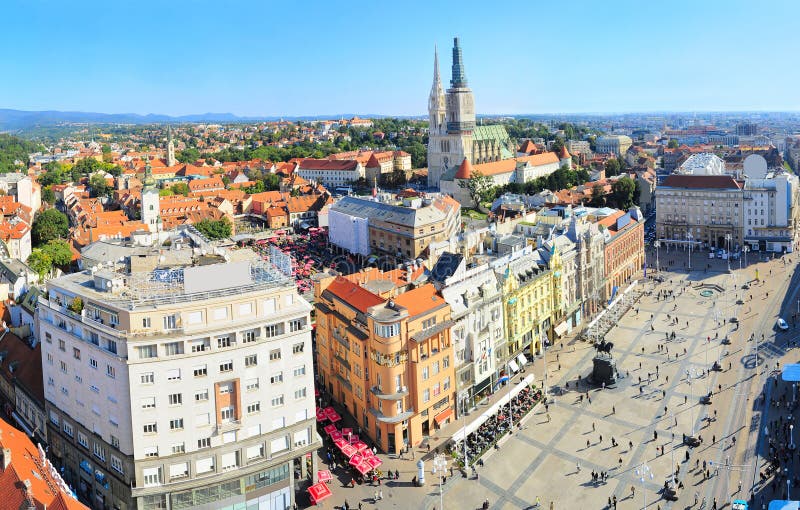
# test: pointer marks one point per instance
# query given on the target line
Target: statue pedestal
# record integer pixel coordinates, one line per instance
(604, 370)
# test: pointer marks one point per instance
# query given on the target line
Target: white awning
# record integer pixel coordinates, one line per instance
(561, 328)
(21, 423)
(522, 360)
(513, 365)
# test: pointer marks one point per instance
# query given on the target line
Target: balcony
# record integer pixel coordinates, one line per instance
(229, 425)
(389, 396)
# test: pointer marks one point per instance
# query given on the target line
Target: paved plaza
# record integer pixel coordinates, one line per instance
(645, 414)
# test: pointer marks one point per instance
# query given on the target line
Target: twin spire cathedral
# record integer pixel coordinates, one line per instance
(453, 134)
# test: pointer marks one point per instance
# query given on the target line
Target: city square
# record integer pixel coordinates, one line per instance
(632, 432)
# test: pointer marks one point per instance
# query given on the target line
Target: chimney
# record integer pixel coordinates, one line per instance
(6, 458)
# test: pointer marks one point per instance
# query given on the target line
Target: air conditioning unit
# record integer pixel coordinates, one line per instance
(404, 388)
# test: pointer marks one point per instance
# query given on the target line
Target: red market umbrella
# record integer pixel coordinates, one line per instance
(330, 428)
(360, 446)
(374, 462)
(334, 417)
(321, 416)
(355, 460)
(363, 468)
(324, 476)
(347, 432)
(337, 435)
(349, 450)
(319, 492)
(339, 442)
(367, 453)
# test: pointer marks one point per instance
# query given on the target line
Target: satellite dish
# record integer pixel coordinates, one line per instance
(108, 284)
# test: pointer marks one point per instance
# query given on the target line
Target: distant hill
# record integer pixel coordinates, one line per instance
(11, 120)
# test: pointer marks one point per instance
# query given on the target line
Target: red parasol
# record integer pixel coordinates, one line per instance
(330, 428)
(363, 468)
(336, 435)
(349, 450)
(324, 476)
(339, 442)
(360, 446)
(321, 416)
(347, 431)
(334, 417)
(319, 492)
(374, 462)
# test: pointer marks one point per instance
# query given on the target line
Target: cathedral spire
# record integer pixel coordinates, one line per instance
(459, 78)
(170, 147)
(436, 88)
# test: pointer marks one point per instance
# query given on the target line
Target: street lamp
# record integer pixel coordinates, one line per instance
(440, 465)
(657, 244)
(791, 437)
(690, 237)
(642, 472)
(728, 240)
(745, 249)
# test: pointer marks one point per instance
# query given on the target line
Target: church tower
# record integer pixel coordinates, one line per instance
(170, 148)
(449, 142)
(150, 201)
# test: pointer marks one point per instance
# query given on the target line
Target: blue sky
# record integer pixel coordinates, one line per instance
(307, 57)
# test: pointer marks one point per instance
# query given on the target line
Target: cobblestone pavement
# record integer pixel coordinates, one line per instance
(646, 420)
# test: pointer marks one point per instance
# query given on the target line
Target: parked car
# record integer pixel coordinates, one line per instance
(782, 324)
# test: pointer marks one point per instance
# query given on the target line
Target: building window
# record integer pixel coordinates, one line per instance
(99, 451)
(173, 348)
(204, 443)
(83, 440)
(68, 430)
(299, 371)
(277, 401)
(298, 348)
(201, 346)
(425, 373)
(116, 465)
(50, 358)
(253, 408)
(147, 351)
(62, 345)
(426, 395)
(296, 324)
(63, 366)
(152, 476)
(48, 338)
(276, 378)
(226, 366)
(93, 363)
(150, 428)
(176, 399)
(170, 321)
(174, 374)
(446, 362)
(201, 396)
(299, 393)
(111, 372)
(251, 384)
(151, 451)
(176, 424)
(226, 413)
(76, 353)
(223, 342)
(146, 378)
(145, 322)
(274, 330)
(274, 354)
(149, 403)
(200, 371)
(251, 360)
(225, 388)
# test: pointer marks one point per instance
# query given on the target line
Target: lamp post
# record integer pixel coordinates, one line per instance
(643, 472)
(690, 238)
(658, 270)
(728, 240)
(691, 394)
(791, 437)
(745, 249)
(440, 465)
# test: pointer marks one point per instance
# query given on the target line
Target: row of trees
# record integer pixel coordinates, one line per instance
(13, 150)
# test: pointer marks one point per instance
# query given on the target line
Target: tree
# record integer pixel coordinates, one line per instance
(100, 187)
(180, 188)
(40, 262)
(214, 229)
(189, 155)
(48, 195)
(166, 192)
(558, 144)
(59, 252)
(598, 196)
(622, 193)
(672, 144)
(612, 167)
(48, 225)
(478, 186)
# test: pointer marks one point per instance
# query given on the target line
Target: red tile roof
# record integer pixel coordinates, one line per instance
(326, 164)
(420, 300)
(464, 170)
(354, 295)
(28, 467)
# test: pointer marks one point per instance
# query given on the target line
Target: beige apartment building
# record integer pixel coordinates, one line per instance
(177, 386)
(703, 209)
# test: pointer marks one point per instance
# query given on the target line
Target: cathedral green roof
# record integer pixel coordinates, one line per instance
(491, 132)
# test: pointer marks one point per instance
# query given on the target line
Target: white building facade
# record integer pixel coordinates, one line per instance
(180, 387)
